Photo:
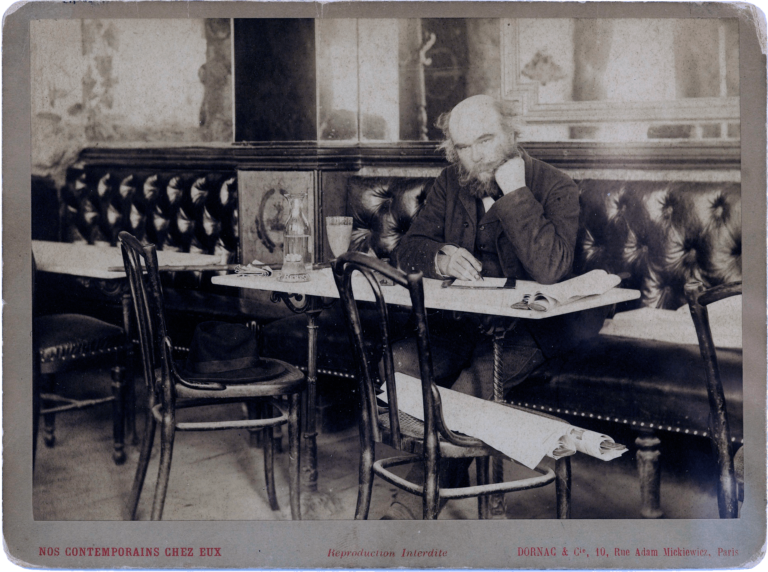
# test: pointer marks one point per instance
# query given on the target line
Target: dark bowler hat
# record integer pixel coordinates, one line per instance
(227, 353)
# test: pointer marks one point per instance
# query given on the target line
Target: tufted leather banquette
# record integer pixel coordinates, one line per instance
(662, 235)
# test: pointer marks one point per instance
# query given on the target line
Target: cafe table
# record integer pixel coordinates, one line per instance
(497, 302)
(93, 264)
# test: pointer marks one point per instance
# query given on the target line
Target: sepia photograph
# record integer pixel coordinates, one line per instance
(269, 263)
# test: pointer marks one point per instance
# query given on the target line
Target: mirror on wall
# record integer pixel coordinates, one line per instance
(623, 79)
(388, 80)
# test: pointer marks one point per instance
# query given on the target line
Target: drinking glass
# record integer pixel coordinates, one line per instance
(339, 232)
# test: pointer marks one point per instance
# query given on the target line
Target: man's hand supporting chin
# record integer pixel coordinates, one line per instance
(511, 175)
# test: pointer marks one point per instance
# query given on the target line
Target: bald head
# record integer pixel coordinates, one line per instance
(473, 109)
(458, 123)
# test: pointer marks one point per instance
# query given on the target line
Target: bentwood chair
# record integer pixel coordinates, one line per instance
(730, 467)
(425, 441)
(63, 342)
(168, 391)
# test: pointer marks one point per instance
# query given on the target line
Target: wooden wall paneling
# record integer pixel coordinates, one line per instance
(263, 210)
(700, 155)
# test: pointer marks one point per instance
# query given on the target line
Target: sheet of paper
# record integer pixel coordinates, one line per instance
(525, 437)
(251, 269)
(589, 284)
(484, 283)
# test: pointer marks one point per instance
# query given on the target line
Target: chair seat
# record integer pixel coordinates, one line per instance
(64, 338)
(286, 339)
(292, 381)
(412, 432)
(641, 383)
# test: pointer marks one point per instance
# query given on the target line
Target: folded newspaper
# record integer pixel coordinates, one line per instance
(521, 435)
(548, 296)
(253, 269)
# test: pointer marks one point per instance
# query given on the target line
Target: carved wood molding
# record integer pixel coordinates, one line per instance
(642, 156)
(308, 156)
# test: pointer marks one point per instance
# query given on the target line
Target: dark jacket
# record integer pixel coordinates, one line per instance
(534, 229)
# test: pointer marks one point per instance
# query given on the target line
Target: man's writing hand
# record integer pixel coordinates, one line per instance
(511, 175)
(458, 263)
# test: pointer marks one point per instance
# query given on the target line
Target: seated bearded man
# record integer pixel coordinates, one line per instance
(495, 212)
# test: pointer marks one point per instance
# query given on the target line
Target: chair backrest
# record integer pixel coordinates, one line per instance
(383, 372)
(146, 292)
(699, 297)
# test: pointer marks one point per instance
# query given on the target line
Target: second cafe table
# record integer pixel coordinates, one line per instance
(91, 263)
(495, 302)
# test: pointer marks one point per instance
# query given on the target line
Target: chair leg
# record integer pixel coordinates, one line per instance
(255, 411)
(277, 435)
(483, 464)
(130, 398)
(49, 419)
(294, 456)
(497, 503)
(431, 497)
(130, 360)
(365, 479)
(118, 414)
(738, 468)
(727, 487)
(269, 468)
(141, 469)
(563, 487)
(167, 434)
(649, 475)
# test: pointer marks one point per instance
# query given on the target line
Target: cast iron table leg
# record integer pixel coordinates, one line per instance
(498, 507)
(309, 467)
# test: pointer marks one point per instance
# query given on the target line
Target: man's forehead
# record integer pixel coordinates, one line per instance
(473, 118)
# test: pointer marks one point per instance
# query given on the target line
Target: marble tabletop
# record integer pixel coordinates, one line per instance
(481, 301)
(91, 261)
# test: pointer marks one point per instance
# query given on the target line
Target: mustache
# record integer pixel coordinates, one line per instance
(471, 176)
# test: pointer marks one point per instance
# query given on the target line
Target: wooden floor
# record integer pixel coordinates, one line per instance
(219, 476)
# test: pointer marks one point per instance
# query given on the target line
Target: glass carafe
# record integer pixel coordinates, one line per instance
(297, 260)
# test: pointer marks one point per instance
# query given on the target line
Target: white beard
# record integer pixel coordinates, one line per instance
(482, 183)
